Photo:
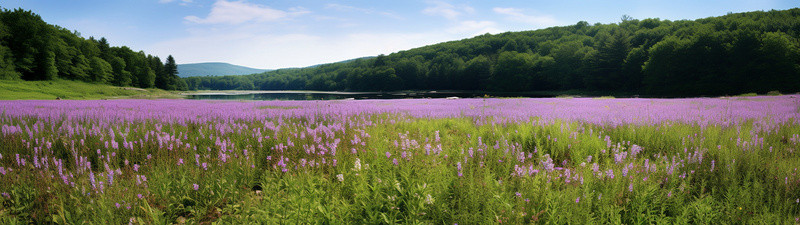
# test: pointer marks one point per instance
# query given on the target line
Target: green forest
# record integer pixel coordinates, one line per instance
(31, 49)
(752, 52)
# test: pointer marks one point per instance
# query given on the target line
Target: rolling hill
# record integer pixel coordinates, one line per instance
(751, 52)
(215, 69)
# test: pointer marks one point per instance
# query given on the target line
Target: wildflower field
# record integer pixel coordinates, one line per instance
(414, 161)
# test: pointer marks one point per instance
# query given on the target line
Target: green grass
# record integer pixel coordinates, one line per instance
(65, 89)
(745, 185)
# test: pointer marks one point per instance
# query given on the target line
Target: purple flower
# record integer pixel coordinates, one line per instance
(712, 165)
(394, 161)
(519, 195)
(388, 155)
(610, 173)
(195, 187)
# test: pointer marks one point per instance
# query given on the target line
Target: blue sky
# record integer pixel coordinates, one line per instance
(281, 34)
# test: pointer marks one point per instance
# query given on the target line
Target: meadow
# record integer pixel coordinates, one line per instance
(67, 89)
(413, 161)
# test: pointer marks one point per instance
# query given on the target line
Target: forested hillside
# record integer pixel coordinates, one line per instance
(731, 54)
(31, 49)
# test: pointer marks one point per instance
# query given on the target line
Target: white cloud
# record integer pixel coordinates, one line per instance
(225, 12)
(271, 51)
(473, 28)
(183, 2)
(347, 8)
(517, 15)
(447, 10)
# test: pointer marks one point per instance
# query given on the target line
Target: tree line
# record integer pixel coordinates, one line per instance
(31, 49)
(732, 54)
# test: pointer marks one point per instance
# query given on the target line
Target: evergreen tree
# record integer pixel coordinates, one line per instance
(170, 74)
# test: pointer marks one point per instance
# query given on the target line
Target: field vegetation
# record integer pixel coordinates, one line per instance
(425, 161)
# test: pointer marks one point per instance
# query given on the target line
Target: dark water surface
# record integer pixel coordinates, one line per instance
(321, 95)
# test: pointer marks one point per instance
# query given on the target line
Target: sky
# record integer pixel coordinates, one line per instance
(284, 33)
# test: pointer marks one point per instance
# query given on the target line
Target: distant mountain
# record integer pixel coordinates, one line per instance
(214, 69)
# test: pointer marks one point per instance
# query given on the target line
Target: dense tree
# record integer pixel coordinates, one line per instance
(31, 49)
(477, 73)
(7, 68)
(100, 70)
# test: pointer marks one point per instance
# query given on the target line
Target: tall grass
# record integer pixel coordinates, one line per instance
(387, 168)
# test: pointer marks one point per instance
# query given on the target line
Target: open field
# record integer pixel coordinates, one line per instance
(416, 161)
(66, 89)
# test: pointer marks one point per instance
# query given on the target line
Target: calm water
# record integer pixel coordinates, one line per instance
(314, 95)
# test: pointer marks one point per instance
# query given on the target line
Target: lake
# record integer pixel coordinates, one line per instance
(335, 95)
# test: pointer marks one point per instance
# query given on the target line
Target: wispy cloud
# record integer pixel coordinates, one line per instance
(182, 2)
(517, 15)
(230, 12)
(472, 27)
(347, 8)
(447, 10)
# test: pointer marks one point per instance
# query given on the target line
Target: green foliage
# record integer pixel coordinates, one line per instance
(100, 70)
(727, 55)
